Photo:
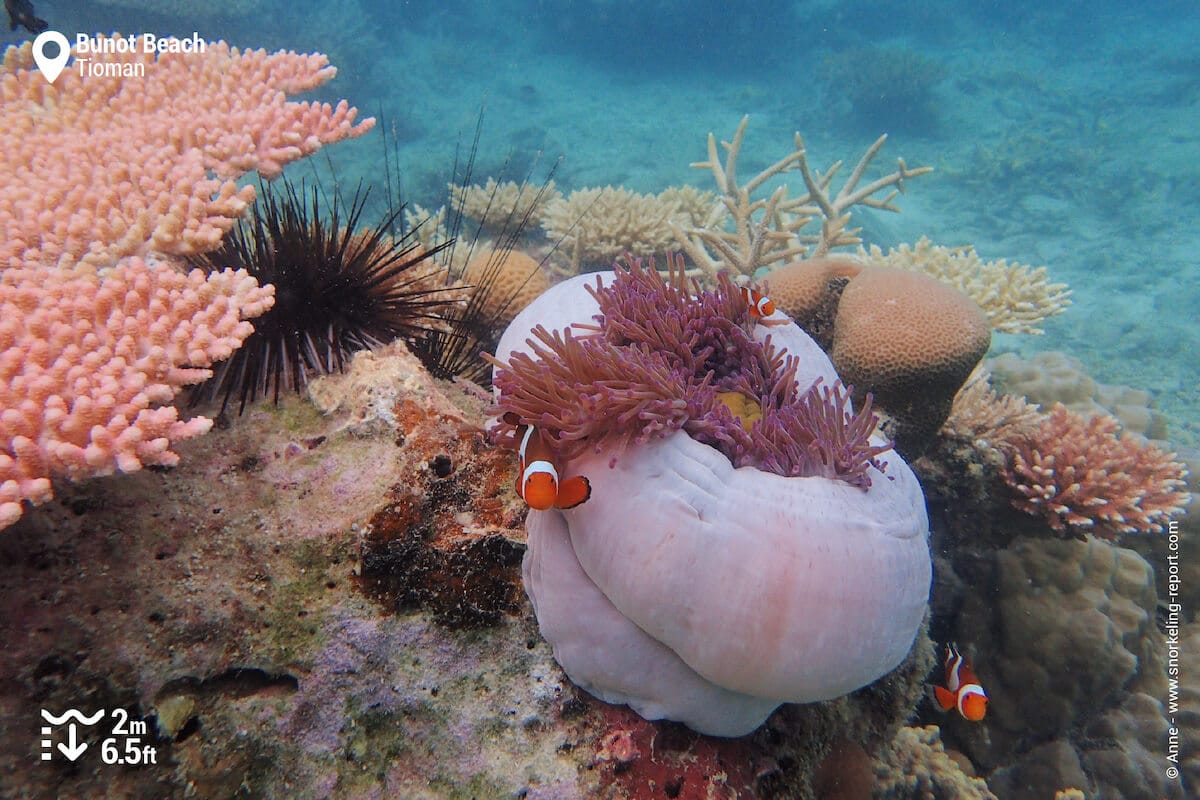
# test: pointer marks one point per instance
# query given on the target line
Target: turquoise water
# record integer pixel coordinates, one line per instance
(1062, 134)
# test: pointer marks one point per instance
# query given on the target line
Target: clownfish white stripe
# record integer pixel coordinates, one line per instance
(953, 667)
(525, 442)
(760, 304)
(538, 480)
(536, 467)
(971, 689)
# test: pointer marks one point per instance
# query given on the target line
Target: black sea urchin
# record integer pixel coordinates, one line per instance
(474, 326)
(337, 290)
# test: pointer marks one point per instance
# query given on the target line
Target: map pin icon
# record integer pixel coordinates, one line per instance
(51, 67)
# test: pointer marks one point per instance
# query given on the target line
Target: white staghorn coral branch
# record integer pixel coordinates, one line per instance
(767, 231)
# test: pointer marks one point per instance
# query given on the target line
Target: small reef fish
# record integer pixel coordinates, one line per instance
(538, 484)
(20, 12)
(962, 690)
(760, 305)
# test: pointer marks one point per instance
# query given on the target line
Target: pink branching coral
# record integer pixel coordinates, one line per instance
(95, 168)
(82, 362)
(1080, 476)
(664, 356)
(99, 175)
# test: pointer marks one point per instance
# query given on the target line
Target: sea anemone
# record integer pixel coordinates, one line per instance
(668, 355)
(338, 289)
(742, 546)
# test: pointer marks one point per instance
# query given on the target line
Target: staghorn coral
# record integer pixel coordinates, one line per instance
(91, 172)
(665, 354)
(83, 361)
(769, 230)
(1016, 298)
(660, 592)
(1079, 476)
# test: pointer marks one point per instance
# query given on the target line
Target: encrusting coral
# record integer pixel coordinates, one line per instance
(1081, 475)
(662, 591)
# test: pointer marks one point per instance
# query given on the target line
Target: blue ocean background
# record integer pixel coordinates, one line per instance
(1062, 134)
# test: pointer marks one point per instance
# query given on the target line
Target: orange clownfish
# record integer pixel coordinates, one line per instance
(963, 690)
(538, 483)
(760, 304)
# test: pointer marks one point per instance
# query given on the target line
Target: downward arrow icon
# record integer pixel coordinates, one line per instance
(73, 749)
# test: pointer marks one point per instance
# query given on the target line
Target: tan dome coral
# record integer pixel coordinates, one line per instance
(518, 279)
(808, 291)
(911, 341)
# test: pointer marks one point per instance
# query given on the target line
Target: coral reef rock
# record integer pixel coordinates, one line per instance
(1064, 631)
(1054, 377)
